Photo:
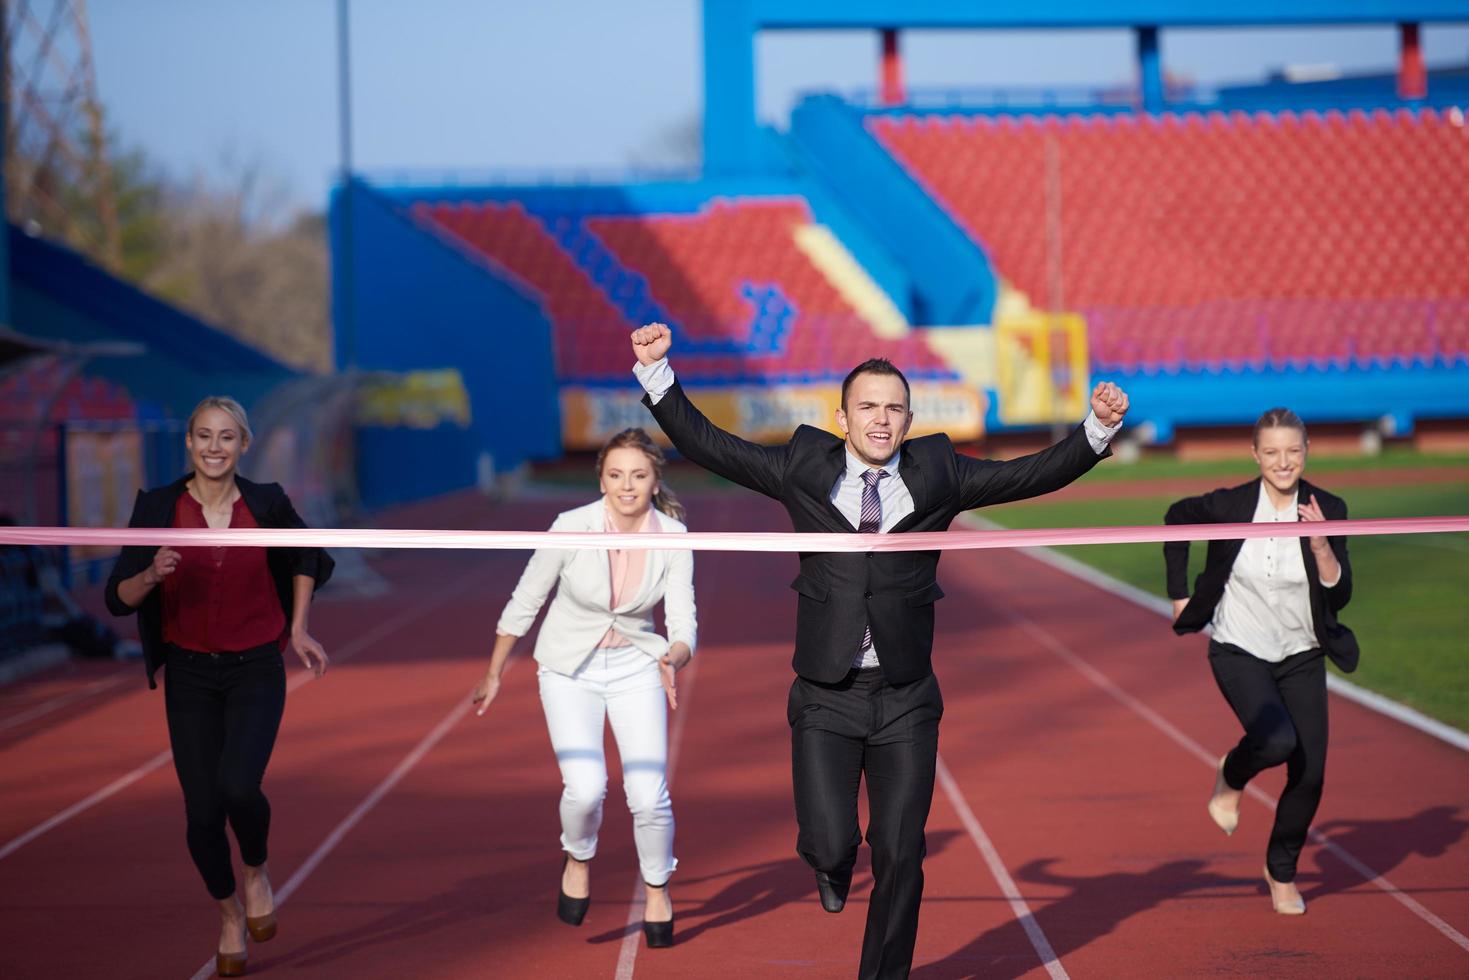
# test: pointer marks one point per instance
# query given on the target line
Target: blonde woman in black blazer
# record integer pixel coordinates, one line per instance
(218, 620)
(1272, 604)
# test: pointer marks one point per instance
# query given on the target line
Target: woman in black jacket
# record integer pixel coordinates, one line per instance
(1272, 604)
(219, 618)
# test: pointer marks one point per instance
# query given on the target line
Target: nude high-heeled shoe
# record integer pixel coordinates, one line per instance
(1286, 906)
(1226, 819)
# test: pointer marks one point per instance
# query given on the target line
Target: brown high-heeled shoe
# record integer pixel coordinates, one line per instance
(229, 964)
(261, 927)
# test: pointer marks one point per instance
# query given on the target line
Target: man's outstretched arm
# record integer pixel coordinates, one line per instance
(988, 481)
(761, 468)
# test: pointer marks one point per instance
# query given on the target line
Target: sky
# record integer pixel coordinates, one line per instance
(487, 88)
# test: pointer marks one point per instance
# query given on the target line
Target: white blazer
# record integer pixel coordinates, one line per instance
(580, 615)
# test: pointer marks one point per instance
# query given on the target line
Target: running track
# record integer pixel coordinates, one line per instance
(1068, 834)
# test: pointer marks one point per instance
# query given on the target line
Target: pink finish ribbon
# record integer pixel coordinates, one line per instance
(709, 541)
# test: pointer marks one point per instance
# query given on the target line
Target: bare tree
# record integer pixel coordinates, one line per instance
(239, 255)
(678, 145)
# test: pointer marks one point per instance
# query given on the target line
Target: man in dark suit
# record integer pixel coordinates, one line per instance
(865, 701)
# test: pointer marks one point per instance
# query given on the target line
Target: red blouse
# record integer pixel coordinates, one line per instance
(220, 599)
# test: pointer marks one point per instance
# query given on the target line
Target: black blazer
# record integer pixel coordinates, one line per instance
(1236, 505)
(270, 507)
(841, 594)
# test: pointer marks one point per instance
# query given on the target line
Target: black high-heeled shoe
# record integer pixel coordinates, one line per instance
(659, 935)
(570, 910)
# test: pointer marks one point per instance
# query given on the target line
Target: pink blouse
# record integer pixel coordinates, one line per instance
(627, 568)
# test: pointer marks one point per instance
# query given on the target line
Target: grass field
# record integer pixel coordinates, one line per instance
(1231, 471)
(1410, 605)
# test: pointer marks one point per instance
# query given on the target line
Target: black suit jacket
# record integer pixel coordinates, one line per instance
(1236, 505)
(841, 594)
(270, 507)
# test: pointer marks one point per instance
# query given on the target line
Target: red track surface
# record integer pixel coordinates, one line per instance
(1095, 810)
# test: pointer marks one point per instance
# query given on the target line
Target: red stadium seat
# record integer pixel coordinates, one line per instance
(1181, 214)
(694, 268)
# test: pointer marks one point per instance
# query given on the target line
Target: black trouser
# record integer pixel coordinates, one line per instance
(840, 731)
(1283, 708)
(224, 710)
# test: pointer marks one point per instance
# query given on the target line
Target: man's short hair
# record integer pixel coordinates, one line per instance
(876, 365)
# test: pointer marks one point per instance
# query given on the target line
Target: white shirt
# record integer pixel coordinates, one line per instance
(846, 494)
(897, 503)
(1266, 606)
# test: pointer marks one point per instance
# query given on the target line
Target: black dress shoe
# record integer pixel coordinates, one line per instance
(833, 892)
(571, 910)
(658, 934)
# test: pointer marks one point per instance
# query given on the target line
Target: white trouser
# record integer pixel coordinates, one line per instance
(621, 684)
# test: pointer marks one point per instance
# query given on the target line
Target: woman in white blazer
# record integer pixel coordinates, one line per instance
(599, 658)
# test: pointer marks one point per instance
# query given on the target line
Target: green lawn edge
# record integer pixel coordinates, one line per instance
(1410, 604)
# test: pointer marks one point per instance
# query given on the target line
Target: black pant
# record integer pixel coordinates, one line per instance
(1283, 708)
(840, 731)
(224, 710)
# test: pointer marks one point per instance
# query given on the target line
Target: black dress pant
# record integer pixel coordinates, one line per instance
(839, 732)
(224, 710)
(1283, 709)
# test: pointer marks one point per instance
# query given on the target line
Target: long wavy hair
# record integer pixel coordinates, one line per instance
(664, 499)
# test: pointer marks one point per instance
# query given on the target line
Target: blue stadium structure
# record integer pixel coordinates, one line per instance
(1214, 251)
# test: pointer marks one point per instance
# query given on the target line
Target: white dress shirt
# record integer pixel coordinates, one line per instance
(846, 494)
(1266, 606)
(897, 503)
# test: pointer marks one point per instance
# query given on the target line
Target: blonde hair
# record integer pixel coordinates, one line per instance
(227, 405)
(1278, 418)
(664, 498)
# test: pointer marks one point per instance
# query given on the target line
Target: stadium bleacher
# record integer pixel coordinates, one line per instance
(25, 392)
(1205, 240)
(749, 305)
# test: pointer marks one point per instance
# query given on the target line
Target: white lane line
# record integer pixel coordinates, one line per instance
(1101, 680)
(62, 700)
(1398, 712)
(347, 651)
(991, 856)
(632, 935)
(341, 830)
(627, 955)
(1334, 682)
(81, 806)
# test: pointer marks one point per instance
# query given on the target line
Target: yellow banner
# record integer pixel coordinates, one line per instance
(590, 416)
(413, 400)
(1043, 373)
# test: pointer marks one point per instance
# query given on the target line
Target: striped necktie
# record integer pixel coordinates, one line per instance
(871, 521)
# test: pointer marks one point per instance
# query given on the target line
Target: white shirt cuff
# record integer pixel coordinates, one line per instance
(1099, 435)
(656, 378)
(1334, 582)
